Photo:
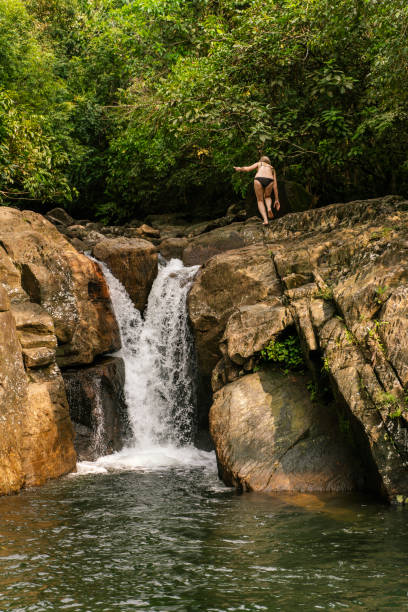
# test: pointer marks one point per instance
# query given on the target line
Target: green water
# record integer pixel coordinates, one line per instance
(176, 539)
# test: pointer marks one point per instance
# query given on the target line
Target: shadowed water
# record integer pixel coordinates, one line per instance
(176, 539)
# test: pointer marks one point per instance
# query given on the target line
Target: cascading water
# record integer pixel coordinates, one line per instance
(160, 366)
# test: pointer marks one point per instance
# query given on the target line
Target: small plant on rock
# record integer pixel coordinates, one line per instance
(324, 294)
(286, 352)
(380, 294)
(326, 365)
(391, 402)
(373, 332)
(313, 390)
(350, 336)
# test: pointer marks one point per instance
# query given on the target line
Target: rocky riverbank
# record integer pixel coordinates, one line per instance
(334, 279)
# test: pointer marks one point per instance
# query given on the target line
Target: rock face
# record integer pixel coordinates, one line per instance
(134, 262)
(39, 266)
(55, 311)
(235, 279)
(338, 277)
(36, 435)
(97, 407)
(270, 437)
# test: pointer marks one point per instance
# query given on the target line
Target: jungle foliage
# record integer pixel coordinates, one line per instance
(117, 108)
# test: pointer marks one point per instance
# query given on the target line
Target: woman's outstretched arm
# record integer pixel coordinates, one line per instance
(246, 168)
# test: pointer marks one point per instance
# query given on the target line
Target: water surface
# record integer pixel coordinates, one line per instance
(177, 539)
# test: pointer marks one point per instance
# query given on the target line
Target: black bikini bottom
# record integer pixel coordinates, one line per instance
(264, 180)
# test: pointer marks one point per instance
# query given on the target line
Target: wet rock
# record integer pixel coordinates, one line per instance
(269, 436)
(134, 262)
(97, 407)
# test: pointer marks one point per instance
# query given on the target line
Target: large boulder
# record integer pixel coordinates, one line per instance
(134, 262)
(226, 283)
(38, 265)
(219, 240)
(269, 436)
(47, 447)
(13, 395)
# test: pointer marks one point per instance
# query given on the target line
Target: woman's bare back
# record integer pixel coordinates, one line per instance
(265, 170)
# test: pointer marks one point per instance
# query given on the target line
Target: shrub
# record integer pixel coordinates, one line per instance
(286, 352)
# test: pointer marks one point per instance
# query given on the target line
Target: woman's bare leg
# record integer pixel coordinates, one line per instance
(259, 192)
(268, 200)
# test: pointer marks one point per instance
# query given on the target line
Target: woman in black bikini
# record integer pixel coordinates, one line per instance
(264, 182)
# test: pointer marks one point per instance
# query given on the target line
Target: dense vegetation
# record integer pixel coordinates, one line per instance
(115, 108)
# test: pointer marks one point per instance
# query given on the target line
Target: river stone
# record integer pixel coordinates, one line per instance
(269, 436)
(59, 216)
(173, 247)
(134, 262)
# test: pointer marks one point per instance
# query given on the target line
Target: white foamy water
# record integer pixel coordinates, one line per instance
(160, 367)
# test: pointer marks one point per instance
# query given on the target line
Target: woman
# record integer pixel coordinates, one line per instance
(264, 182)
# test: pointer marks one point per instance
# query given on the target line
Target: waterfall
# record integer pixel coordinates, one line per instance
(98, 441)
(160, 371)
